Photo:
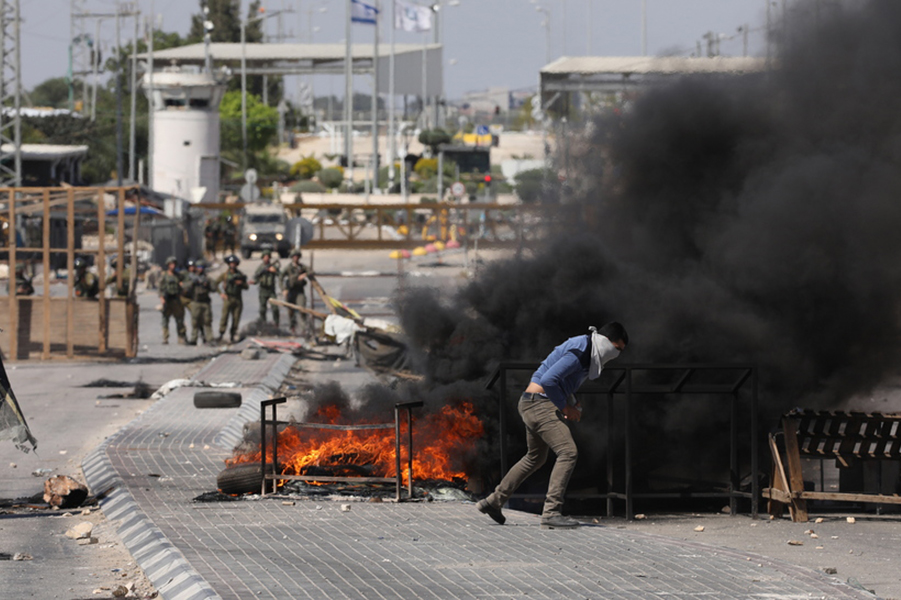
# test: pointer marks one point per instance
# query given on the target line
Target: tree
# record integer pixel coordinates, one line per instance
(225, 16)
(52, 93)
(262, 123)
(434, 138)
(99, 135)
(533, 184)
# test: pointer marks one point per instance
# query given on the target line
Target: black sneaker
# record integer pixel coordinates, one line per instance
(559, 522)
(492, 511)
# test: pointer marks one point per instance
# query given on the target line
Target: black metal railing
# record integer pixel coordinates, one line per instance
(270, 472)
(621, 379)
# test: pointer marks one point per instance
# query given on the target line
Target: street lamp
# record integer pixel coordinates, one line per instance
(547, 31)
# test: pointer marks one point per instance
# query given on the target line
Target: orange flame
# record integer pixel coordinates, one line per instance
(441, 441)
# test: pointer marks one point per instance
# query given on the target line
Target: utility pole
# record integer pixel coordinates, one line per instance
(244, 24)
(150, 104)
(81, 48)
(134, 106)
(95, 67)
(589, 22)
(10, 95)
(120, 163)
(392, 134)
(375, 103)
(123, 9)
(644, 27)
(348, 95)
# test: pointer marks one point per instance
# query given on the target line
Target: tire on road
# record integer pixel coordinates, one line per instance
(217, 399)
(242, 478)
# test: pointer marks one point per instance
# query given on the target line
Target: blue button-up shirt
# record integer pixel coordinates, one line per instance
(564, 369)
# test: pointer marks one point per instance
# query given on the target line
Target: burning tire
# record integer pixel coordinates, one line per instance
(243, 478)
(217, 400)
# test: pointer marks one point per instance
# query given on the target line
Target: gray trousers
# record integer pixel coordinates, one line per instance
(546, 429)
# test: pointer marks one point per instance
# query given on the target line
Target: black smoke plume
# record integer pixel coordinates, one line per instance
(751, 218)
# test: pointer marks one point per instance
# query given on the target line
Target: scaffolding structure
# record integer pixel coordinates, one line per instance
(10, 95)
(55, 322)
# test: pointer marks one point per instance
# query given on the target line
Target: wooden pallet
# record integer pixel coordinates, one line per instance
(844, 436)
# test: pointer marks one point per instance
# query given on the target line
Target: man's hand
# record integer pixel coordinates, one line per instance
(572, 414)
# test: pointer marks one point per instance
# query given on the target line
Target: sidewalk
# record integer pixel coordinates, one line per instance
(313, 549)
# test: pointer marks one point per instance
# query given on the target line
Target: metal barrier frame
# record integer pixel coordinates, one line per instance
(274, 475)
(443, 217)
(623, 383)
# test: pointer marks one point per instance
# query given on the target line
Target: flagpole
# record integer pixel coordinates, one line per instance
(425, 81)
(392, 148)
(375, 104)
(348, 96)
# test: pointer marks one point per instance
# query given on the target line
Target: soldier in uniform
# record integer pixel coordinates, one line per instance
(211, 233)
(229, 235)
(170, 294)
(200, 288)
(87, 285)
(186, 276)
(266, 276)
(23, 283)
(294, 280)
(121, 286)
(234, 282)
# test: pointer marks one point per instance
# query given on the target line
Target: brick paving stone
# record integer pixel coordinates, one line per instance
(260, 548)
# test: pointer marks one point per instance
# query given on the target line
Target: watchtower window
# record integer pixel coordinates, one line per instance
(200, 102)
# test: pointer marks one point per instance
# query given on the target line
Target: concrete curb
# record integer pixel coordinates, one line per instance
(165, 566)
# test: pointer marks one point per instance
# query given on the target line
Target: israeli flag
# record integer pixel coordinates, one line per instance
(411, 17)
(360, 12)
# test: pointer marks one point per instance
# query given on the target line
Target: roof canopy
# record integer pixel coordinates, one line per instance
(321, 59)
(46, 151)
(616, 73)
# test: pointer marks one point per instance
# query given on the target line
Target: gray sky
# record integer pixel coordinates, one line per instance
(488, 43)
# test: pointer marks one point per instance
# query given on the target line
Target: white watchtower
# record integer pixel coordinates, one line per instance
(185, 103)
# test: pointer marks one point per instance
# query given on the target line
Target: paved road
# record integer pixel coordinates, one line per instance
(314, 549)
(264, 548)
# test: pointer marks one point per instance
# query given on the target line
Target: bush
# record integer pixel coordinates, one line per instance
(308, 186)
(306, 167)
(529, 184)
(426, 168)
(434, 138)
(383, 175)
(331, 177)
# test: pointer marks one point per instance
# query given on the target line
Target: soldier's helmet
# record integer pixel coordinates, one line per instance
(191, 263)
(200, 265)
(266, 253)
(80, 263)
(20, 267)
(231, 259)
(296, 252)
(171, 259)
